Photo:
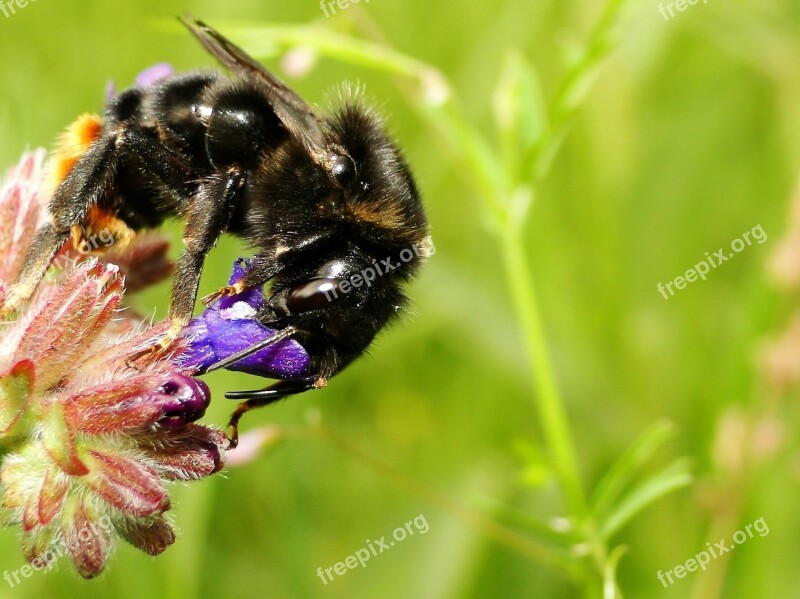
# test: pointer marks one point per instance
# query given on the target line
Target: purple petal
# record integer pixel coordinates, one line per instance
(213, 339)
(253, 297)
(154, 74)
(229, 326)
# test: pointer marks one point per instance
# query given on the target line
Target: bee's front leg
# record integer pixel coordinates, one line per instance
(268, 264)
(226, 291)
(265, 397)
(208, 217)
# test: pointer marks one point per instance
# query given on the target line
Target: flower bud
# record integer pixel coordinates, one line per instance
(184, 400)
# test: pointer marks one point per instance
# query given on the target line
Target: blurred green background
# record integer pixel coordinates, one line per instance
(689, 137)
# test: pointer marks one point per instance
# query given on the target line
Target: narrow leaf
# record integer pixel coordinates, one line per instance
(674, 477)
(520, 110)
(626, 467)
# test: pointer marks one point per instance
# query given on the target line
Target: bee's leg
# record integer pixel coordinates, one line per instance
(264, 397)
(94, 176)
(262, 269)
(268, 264)
(160, 165)
(209, 215)
(89, 181)
(262, 276)
(44, 248)
(84, 186)
(226, 291)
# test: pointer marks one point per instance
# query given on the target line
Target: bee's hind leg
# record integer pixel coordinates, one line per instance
(85, 184)
(45, 246)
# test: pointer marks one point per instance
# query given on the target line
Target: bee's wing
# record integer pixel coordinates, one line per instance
(296, 115)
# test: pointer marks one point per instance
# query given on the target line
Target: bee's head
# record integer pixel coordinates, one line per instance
(376, 189)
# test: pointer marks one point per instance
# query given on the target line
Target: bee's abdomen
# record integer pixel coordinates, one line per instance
(74, 143)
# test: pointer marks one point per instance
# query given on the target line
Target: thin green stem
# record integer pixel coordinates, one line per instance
(486, 526)
(553, 416)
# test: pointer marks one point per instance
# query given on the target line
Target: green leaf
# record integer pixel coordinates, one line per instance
(520, 111)
(675, 476)
(15, 389)
(626, 467)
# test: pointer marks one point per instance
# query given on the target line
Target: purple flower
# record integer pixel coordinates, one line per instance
(154, 74)
(229, 326)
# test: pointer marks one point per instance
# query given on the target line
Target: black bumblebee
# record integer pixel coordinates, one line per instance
(320, 198)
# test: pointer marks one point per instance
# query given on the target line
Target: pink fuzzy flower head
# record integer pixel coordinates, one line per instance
(88, 444)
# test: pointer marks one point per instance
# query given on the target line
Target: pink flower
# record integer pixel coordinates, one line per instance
(21, 211)
(88, 444)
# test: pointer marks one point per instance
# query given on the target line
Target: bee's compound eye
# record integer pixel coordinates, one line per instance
(313, 294)
(343, 168)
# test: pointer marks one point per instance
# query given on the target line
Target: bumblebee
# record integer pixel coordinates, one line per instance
(320, 198)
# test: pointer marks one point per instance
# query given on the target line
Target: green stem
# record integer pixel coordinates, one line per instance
(487, 526)
(182, 572)
(550, 406)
